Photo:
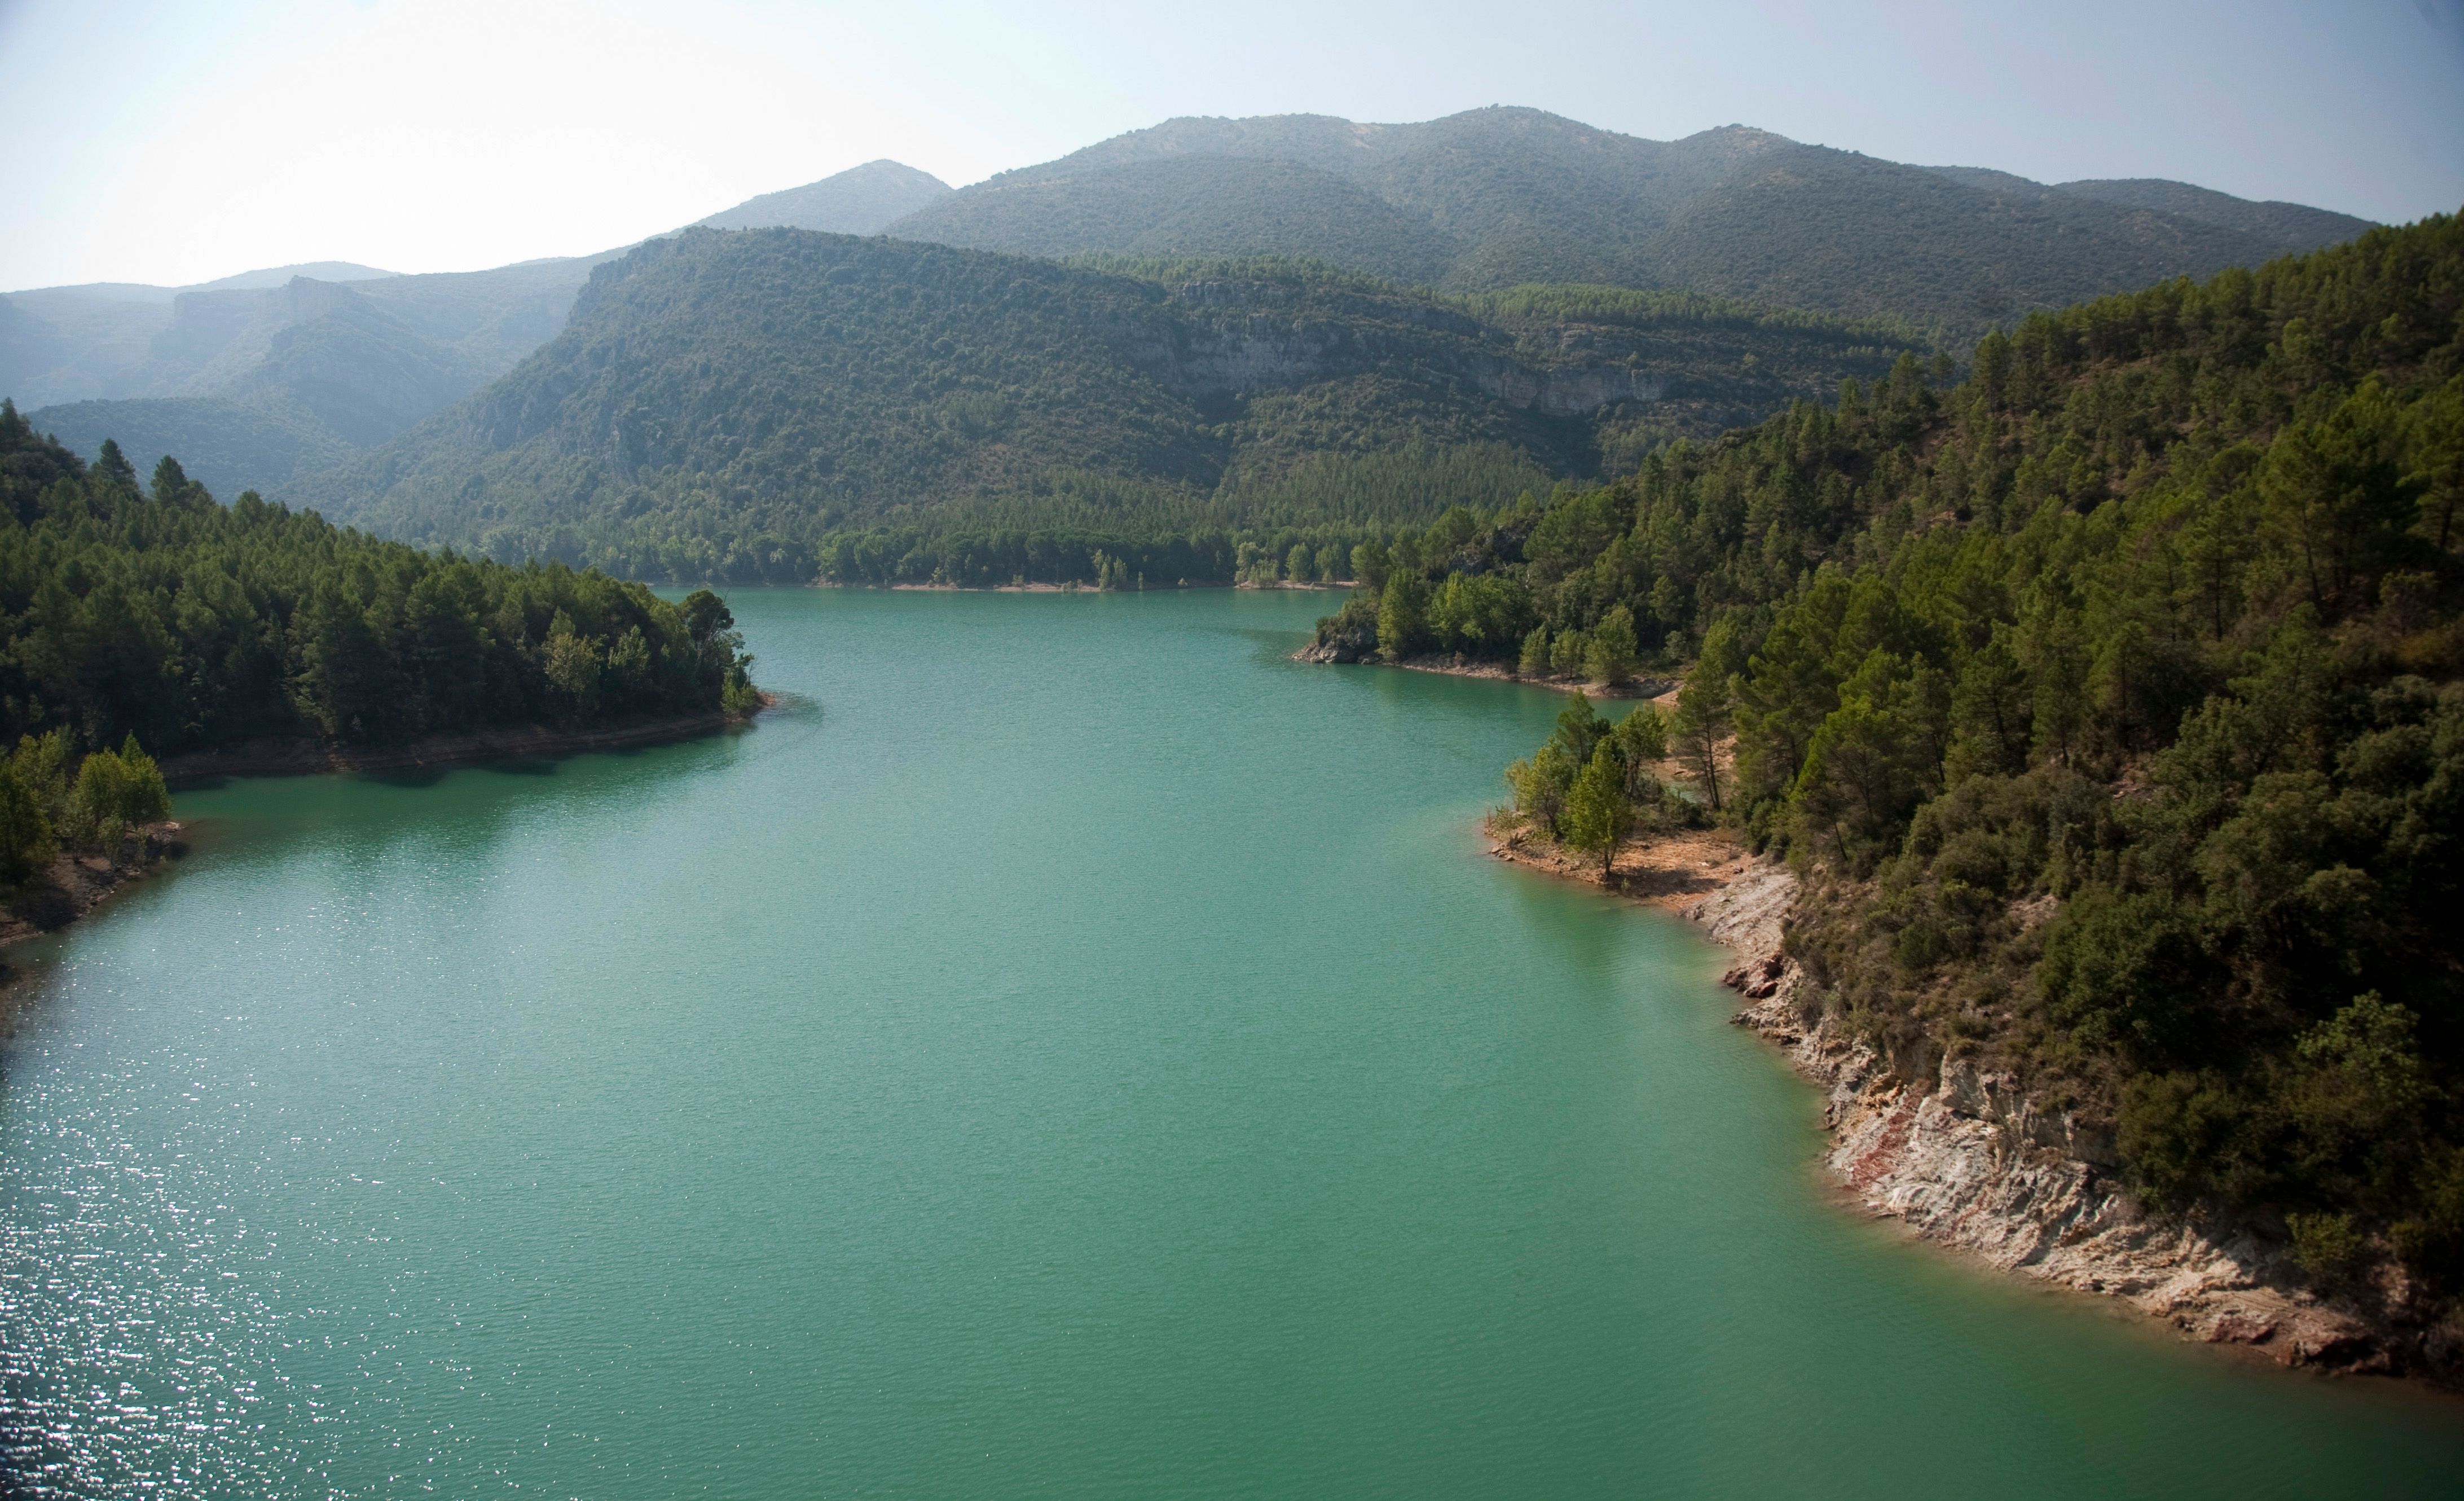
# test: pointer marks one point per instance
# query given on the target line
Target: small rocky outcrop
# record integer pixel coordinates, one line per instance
(1345, 643)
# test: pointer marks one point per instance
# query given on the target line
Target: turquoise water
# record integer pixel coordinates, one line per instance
(1068, 1051)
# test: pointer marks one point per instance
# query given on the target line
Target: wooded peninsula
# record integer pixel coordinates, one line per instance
(150, 620)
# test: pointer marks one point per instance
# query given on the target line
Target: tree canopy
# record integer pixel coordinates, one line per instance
(2109, 701)
(161, 613)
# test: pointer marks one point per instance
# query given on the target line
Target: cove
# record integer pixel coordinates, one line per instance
(1068, 1050)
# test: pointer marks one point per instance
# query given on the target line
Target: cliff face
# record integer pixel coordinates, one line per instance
(1967, 1160)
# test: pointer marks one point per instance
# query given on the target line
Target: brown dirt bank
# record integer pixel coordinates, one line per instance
(72, 886)
(1670, 870)
(303, 757)
(1966, 1159)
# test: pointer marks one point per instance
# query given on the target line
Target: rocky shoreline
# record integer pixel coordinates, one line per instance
(1966, 1159)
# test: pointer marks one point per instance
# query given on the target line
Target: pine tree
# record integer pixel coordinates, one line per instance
(1598, 813)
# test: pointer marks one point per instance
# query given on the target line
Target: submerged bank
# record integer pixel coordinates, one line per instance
(304, 756)
(1964, 1159)
(74, 884)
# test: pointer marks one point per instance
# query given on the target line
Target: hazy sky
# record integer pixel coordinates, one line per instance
(166, 143)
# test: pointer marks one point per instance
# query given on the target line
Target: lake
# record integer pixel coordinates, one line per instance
(1068, 1050)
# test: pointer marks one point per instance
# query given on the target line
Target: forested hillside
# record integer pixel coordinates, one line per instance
(161, 613)
(778, 403)
(1494, 197)
(2110, 702)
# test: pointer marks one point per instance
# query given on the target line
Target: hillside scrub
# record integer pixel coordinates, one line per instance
(2109, 703)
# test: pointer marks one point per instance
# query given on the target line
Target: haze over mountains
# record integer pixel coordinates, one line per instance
(862, 200)
(1498, 196)
(270, 377)
(720, 401)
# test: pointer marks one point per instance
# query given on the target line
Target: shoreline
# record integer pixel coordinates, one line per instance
(73, 886)
(1178, 586)
(1450, 665)
(1965, 1161)
(70, 889)
(299, 756)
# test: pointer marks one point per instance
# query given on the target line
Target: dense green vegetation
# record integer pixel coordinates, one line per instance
(2109, 700)
(1492, 198)
(161, 614)
(44, 807)
(780, 404)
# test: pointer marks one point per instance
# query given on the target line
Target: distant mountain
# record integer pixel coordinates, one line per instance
(277, 276)
(1498, 196)
(304, 364)
(301, 370)
(1196, 205)
(858, 200)
(227, 446)
(2294, 228)
(296, 375)
(2297, 227)
(719, 403)
(68, 344)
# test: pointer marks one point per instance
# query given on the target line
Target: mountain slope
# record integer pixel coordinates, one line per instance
(1195, 206)
(1499, 196)
(858, 200)
(751, 392)
(283, 352)
(260, 385)
(271, 276)
(2292, 228)
(2295, 227)
(226, 446)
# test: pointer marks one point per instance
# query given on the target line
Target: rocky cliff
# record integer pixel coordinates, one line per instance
(1968, 1160)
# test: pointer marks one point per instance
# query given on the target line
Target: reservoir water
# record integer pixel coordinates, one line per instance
(1068, 1051)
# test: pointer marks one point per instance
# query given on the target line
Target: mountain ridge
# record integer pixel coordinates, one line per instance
(262, 376)
(1505, 195)
(1474, 203)
(763, 388)
(858, 200)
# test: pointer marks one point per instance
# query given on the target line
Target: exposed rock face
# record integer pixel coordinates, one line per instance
(1357, 644)
(1965, 1159)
